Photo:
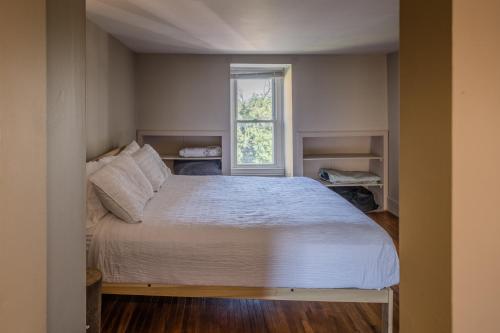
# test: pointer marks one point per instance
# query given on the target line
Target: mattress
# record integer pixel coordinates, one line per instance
(246, 231)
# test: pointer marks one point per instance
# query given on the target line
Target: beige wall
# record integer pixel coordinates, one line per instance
(425, 166)
(450, 254)
(476, 161)
(191, 92)
(23, 223)
(110, 113)
(65, 165)
(393, 105)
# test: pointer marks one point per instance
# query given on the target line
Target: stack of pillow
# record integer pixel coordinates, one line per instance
(123, 184)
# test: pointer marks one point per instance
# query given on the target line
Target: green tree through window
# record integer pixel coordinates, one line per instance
(255, 139)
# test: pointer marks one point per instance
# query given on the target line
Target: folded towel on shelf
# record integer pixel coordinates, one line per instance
(348, 177)
(210, 151)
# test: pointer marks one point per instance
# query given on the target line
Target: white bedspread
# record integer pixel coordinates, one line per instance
(247, 231)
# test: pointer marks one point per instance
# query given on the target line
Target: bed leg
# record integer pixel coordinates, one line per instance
(387, 312)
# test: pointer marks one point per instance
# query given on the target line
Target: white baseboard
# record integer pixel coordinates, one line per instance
(393, 206)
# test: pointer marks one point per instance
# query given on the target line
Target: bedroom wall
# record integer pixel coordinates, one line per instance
(191, 92)
(476, 161)
(182, 92)
(393, 105)
(65, 166)
(425, 167)
(23, 222)
(110, 116)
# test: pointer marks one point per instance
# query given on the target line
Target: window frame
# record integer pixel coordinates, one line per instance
(277, 168)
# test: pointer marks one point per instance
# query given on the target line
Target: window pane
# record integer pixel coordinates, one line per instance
(255, 99)
(255, 143)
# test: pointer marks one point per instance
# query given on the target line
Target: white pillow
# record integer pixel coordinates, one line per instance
(95, 209)
(130, 149)
(106, 160)
(147, 161)
(165, 169)
(123, 188)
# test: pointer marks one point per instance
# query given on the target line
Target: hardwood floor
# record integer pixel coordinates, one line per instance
(138, 314)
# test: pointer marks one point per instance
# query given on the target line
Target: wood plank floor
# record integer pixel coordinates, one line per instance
(137, 314)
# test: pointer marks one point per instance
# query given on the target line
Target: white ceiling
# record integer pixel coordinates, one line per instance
(250, 26)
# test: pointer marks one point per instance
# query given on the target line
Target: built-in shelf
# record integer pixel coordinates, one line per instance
(315, 157)
(168, 144)
(180, 158)
(328, 184)
(347, 151)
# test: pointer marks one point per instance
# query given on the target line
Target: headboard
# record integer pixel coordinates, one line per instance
(112, 152)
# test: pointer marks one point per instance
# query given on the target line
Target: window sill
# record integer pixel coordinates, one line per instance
(276, 172)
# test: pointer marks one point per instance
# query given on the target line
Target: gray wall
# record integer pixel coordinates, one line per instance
(182, 92)
(110, 114)
(393, 101)
(191, 92)
(65, 165)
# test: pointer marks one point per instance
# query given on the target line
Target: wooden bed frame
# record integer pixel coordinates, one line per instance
(383, 296)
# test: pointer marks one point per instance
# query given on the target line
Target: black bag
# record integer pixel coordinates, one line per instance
(359, 196)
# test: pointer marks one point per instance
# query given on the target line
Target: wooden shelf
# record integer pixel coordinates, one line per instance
(180, 158)
(328, 184)
(313, 157)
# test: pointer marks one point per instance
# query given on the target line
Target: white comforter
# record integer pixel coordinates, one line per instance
(247, 231)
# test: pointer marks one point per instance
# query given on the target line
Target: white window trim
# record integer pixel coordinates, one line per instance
(278, 168)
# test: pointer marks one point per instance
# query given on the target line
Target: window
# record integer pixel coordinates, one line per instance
(257, 121)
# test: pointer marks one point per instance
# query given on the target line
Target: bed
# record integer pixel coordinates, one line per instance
(248, 237)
